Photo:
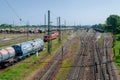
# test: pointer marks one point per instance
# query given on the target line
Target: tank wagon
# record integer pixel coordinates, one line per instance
(20, 51)
(7, 55)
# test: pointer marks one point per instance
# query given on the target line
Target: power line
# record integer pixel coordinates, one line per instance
(12, 9)
(63, 19)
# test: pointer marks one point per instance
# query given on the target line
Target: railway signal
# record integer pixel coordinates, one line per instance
(45, 22)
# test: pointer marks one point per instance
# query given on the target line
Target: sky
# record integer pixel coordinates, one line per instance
(74, 12)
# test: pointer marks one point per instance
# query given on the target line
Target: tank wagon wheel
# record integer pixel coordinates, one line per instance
(2, 66)
(11, 62)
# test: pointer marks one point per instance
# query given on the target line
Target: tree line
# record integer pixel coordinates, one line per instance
(112, 24)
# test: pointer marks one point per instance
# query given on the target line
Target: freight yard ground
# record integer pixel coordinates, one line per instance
(9, 39)
(81, 56)
(14, 38)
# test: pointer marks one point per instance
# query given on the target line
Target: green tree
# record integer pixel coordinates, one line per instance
(113, 23)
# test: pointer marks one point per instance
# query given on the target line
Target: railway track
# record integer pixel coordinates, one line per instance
(80, 66)
(75, 69)
(108, 60)
(54, 64)
(102, 69)
(82, 69)
(96, 60)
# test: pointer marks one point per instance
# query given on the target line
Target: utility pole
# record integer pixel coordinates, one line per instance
(45, 22)
(49, 41)
(57, 24)
(13, 23)
(12, 27)
(59, 30)
(65, 23)
(27, 30)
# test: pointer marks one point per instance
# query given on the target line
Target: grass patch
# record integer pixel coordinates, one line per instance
(64, 70)
(100, 40)
(68, 60)
(117, 55)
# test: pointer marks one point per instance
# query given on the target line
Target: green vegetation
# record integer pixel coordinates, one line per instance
(117, 55)
(100, 40)
(117, 47)
(68, 60)
(112, 24)
(63, 72)
(30, 66)
(20, 70)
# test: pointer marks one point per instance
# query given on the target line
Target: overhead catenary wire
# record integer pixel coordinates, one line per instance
(54, 17)
(14, 11)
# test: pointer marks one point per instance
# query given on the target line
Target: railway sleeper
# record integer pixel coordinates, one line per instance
(107, 69)
(96, 68)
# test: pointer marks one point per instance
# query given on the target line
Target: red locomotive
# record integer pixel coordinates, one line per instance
(52, 36)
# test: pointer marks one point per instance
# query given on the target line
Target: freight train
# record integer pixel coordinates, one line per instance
(20, 51)
(51, 37)
(20, 31)
(99, 30)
